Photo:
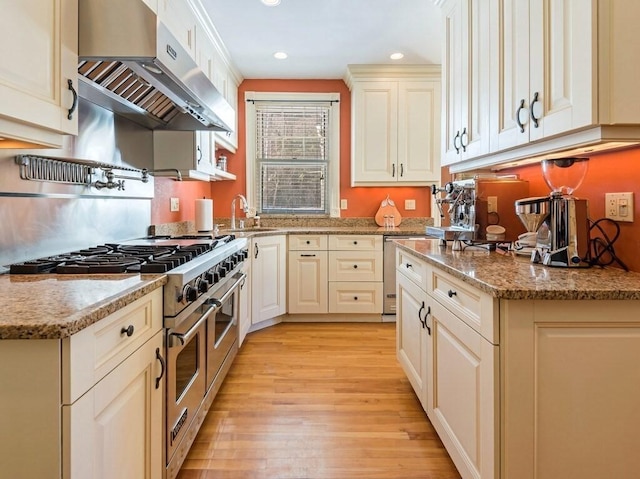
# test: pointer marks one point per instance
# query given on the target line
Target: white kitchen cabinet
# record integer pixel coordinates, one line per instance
(570, 397)
(244, 320)
(268, 277)
(395, 125)
(462, 392)
(90, 404)
(544, 76)
(308, 277)
(355, 274)
(116, 428)
(38, 72)
(411, 334)
(446, 331)
(228, 140)
(181, 21)
(190, 152)
(465, 80)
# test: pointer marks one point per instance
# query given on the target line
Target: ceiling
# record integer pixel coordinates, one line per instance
(321, 37)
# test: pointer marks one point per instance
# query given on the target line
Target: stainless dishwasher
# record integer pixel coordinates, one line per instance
(389, 271)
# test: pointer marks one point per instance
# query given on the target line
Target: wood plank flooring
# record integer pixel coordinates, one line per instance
(318, 401)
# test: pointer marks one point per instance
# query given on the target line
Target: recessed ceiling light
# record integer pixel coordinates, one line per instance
(280, 55)
(271, 3)
(396, 56)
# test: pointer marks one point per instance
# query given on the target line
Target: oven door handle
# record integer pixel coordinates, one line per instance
(185, 337)
(219, 302)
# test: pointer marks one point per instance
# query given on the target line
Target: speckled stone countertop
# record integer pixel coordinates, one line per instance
(356, 230)
(510, 276)
(50, 306)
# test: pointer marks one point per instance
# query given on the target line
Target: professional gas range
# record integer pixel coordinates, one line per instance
(200, 308)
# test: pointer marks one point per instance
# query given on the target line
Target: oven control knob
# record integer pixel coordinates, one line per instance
(203, 285)
(190, 293)
(222, 270)
(228, 264)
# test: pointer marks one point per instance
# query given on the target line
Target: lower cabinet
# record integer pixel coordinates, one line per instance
(411, 335)
(268, 277)
(244, 318)
(89, 406)
(116, 428)
(462, 393)
(451, 366)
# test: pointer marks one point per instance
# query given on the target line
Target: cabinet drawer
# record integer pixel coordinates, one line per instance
(361, 297)
(475, 308)
(412, 267)
(307, 242)
(91, 354)
(355, 266)
(355, 242)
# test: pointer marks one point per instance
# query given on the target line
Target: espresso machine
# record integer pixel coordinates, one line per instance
(560, 221)
(472, 208)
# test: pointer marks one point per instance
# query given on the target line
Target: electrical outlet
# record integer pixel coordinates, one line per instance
(343, 204)
(619, 206)
(175, 204)
(409, 205)
(492, 204)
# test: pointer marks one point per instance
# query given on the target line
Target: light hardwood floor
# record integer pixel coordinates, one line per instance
(318, 401)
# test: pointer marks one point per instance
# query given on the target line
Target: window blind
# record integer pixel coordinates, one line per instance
(292, 152)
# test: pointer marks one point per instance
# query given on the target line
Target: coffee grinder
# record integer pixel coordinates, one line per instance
(560, 220)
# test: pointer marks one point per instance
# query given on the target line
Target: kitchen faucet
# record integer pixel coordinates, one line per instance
(243, 204)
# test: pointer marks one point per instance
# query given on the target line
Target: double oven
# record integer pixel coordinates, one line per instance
(201, 343)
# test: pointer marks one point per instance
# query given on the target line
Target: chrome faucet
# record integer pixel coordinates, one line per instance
(243, 204)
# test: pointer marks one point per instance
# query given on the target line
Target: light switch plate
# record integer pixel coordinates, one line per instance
(343, 204)
(619, 206)
(409, 205)
(175, 204)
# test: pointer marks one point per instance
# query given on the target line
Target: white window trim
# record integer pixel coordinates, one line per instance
(334, 151)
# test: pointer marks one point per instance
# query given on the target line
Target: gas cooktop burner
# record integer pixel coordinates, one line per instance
(116, 258)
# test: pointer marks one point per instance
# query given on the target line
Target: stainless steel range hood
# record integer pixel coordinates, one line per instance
(131, 64)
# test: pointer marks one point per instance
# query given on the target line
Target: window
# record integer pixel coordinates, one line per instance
(292, 153)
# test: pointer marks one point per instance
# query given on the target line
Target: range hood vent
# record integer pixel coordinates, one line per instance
(132, 65)
(123, 83)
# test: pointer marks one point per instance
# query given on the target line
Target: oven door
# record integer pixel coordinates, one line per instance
(186, 373)
(222, 326)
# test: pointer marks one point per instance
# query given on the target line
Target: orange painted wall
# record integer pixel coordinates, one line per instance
(186, 191)
(362, 202)
(608, 173)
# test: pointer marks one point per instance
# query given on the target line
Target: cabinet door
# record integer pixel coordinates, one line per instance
(269, 277)
(462, 398)
(411, 337)
(510, 94)
(116, 429)
(375, 131)
(418, 131)
(244, 321)
(562, 66)
(180, 19)
(465, 77)
(308, 290)
(39, 51)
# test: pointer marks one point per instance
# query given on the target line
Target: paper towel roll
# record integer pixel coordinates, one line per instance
(204, 215)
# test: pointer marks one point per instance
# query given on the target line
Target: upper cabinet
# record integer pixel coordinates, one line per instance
(180, 19)
(395, 126)
(528, 79)
(465, 80)
(38, 73)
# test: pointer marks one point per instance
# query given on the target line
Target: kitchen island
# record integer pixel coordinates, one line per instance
(525, 371)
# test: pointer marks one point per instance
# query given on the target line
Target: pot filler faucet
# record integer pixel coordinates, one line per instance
(243, 204)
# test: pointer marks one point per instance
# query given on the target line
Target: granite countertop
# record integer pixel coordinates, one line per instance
(353, 230)
(50, 306)
(511, 276)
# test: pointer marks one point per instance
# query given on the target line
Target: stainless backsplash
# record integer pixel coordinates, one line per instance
(42, 218)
